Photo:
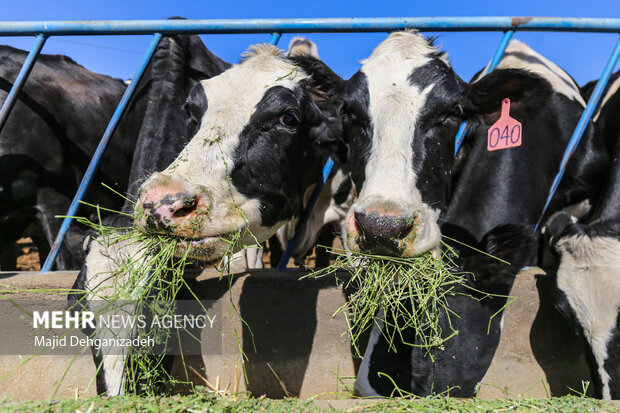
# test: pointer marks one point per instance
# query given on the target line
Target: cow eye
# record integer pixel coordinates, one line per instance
(456, 111)
(288, 120)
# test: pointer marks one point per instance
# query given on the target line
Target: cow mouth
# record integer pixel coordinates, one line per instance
(207, 248)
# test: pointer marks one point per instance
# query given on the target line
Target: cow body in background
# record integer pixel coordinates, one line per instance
(587, 270)
(513, 184)
(401, 112)
(46, 145)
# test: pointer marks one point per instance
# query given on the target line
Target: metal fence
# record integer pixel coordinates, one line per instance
(275, 27)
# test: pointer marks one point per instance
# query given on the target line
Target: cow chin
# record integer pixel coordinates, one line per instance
(425, 237)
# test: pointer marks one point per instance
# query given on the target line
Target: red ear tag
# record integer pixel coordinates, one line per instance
(506, 132)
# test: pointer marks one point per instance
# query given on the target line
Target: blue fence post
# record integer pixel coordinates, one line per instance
(581, 126)
(275, 38)
(7, 107)
(499, 53)
(94, 162)
(290, 247)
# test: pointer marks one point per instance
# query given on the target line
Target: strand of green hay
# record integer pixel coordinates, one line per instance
(398, 294)
(161, 260)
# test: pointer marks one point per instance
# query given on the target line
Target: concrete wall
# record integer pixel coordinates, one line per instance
(300, 348)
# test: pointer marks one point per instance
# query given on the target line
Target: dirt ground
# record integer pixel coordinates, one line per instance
(28, 258)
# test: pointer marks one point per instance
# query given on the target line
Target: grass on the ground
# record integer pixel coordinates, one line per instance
(241, 402)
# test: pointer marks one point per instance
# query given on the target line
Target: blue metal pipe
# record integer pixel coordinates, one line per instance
(497, 57)
(11, 98)
(327, 169)
(581, 126)
(275, 38)
(94, 162)
(302, 25)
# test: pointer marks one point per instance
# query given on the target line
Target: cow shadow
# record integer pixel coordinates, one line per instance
(279, 327)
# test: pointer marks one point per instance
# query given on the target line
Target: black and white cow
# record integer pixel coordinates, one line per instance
(259, 140)
(587, 271)
(46, 144)
(515, 182)
(254, 141)
(401, 112)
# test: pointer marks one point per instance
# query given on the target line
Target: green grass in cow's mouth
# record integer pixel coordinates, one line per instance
(155, 272)
(404, 296)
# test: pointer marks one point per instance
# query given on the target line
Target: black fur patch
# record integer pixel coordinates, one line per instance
(275, 161)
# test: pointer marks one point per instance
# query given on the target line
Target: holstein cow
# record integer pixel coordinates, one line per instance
(514, 183)
(256, 141)
(587, 270)
(45, 148)
(256, 147)
(401, 112)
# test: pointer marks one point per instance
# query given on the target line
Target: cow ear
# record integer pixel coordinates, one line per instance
(325, 90)
(325, 133)
(526, 91)
(323, 84)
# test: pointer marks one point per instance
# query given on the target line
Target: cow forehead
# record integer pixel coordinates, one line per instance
(389, 68)
(395, 105)
(519, 55)
(234, 94)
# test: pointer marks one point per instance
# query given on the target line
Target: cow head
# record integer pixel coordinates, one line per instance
(400, 116)
(257, 142)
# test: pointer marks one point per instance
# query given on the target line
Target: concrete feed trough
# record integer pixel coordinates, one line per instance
(300, 349)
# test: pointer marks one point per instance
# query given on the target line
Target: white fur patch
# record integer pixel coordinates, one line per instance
(325, 212)
(537, 63)
(106, 281)
(613, 88)
(589, 276)
(362, 384)
(302, 46)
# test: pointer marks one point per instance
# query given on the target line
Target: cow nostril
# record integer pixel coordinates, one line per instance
(185, 210)
(406, 231)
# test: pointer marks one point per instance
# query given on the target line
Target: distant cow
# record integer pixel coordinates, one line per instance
(46, 145)
(587, 271)
(401, 112)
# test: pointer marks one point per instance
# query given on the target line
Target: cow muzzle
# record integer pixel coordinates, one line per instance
(172, 206)
(386, 229)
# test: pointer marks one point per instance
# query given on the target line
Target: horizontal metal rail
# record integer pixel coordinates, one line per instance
(310, 25)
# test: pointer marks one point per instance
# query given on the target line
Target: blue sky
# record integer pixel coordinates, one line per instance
(582, 55)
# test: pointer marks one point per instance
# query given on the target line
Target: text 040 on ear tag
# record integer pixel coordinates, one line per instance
(506, 132)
